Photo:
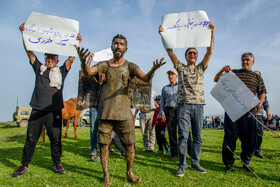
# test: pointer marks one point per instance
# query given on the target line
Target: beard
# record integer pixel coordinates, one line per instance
(118, 53)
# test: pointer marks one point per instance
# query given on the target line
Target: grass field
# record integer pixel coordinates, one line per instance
(155, 170)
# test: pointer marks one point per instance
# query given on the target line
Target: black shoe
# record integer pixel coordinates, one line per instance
(248, 168)
(173, 158)
(20, 171)
(259, 154)
(198, 168)
(229, 168)
(58, 169)
(180, 172)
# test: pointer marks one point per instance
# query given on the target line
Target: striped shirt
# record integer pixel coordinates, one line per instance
(252, 80)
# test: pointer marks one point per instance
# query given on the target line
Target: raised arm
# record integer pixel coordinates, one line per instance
(146, 77)
(30, 54)
(86, 65)
(70, 60)
(170, 53)
(209, 51)
(220, 73)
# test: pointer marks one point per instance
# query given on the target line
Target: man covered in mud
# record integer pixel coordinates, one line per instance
(114, 112)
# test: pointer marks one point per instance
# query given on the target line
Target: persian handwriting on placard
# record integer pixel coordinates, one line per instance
(233, 94)
(190, 24)
(49, 35)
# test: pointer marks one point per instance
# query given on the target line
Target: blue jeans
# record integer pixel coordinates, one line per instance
(189, 116)
(93, 128)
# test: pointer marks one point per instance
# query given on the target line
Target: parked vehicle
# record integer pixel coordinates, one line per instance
(21, 115)
(137, 123)
(84, 119)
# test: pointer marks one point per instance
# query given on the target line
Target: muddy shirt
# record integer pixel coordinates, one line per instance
(113, 101)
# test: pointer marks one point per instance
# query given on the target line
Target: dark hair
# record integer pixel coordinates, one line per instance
(119, 36)
(46, 54)
(189, 49)
(248, 54)
(158, 97)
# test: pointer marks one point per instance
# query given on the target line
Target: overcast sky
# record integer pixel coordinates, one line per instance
(241, 26)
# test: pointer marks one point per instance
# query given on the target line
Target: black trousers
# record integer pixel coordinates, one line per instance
(245, 128)
(172, 123)
(160, 136)
(53, 123)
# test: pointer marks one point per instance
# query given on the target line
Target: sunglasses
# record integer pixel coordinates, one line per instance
(191, 52)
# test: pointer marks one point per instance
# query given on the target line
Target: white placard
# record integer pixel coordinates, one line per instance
(102, 55)
(187, 29)
(235, 97)
(51, 34)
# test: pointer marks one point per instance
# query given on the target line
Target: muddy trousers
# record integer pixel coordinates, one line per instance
(53, 123)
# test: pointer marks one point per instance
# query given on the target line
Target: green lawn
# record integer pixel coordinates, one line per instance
(154, 170)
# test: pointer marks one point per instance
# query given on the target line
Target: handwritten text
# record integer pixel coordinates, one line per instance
(233, 94)
(190, 24)
(49, 36)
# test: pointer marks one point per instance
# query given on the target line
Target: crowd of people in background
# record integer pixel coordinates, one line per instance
(272, 124)
(217, 122)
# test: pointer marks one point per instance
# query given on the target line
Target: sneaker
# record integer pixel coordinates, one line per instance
(111, 150)
(198, 168)
(259, 154)
(229, 168)
(58, 168)
(144, 149)
(173, 158)
(20, 171)
(248, 168)
(167, 151)
(159, 152)
(93, 153)
(180, 172)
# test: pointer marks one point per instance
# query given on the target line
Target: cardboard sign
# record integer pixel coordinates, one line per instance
(51, 34)
(187, 29)
(235, 97)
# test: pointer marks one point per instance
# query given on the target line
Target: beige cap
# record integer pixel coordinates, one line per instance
(173, 71)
